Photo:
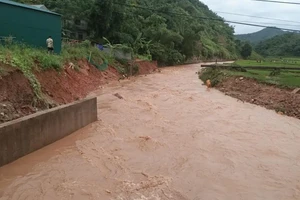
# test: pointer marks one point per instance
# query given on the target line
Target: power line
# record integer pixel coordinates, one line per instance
(274, 24)
(208, 18)
(252, 16)
(282, 2)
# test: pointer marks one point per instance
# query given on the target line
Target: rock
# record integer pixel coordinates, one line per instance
(296, 91)
(241, 78)
(118, 95)
(145, 137)
(2, 114)
(280, 113)
(71, 65)
(16, 116)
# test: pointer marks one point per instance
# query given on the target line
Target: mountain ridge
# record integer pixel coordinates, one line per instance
(259, 36)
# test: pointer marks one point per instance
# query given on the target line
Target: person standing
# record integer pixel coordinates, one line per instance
(50, 45)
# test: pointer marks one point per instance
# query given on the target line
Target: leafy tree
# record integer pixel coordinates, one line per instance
(246, 50)
(101, 17)
(283, 45)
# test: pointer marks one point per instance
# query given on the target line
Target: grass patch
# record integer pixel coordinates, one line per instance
(269, 62)
(282, 78)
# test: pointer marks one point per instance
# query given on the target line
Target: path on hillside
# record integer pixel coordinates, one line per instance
(168, 138)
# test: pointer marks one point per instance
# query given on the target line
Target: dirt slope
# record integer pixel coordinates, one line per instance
(17, 97)
(281, 100)
(71, 85)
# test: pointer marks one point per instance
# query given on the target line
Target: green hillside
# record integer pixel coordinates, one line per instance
(171, 31)
(283, 45)
(261, 35)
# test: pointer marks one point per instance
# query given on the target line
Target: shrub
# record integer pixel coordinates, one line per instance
(215, 75)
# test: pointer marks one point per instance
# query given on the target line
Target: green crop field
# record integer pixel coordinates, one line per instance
(283, 78)
(290, 62)
(290, 79)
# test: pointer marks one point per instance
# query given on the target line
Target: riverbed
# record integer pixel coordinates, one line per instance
(165, 136)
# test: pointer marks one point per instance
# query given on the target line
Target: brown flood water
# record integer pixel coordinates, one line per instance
(168, 138)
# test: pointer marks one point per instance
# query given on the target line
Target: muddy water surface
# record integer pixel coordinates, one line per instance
(168, 138)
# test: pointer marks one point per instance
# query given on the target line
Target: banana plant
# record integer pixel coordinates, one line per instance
(112, 47)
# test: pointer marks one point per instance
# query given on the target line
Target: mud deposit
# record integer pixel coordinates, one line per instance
(281, 100)
(166, 138)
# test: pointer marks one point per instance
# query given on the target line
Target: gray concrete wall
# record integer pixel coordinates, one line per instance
(25, 135)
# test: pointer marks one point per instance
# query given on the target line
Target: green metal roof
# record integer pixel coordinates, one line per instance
(27, 6)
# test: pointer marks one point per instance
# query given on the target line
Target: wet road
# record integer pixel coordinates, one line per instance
(168, 138)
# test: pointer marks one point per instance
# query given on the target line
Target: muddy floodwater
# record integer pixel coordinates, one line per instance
(168, 138)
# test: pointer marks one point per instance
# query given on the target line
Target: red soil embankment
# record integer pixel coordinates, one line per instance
(16, 95)
(71, 85)
(68, 85)
(146, 67)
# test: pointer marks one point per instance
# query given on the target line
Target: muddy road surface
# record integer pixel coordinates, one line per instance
(166, 138)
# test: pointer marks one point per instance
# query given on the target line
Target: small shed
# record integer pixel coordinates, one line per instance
(31, 25)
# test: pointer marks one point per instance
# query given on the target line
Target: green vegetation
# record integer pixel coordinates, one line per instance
(28, 59)
(272, 62)
(170, 32)
(246, 50)
(287, 45)
(255, 56)
(215, 75)
(280, 77)
(265, 34)
(289, 79)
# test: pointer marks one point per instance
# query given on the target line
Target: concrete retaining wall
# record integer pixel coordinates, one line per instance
(25, 135)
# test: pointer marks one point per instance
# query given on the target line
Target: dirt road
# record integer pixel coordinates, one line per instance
(168, 138)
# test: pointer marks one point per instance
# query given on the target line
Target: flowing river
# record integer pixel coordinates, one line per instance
(167, 139)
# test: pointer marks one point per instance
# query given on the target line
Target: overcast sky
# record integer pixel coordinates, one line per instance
(255, 8)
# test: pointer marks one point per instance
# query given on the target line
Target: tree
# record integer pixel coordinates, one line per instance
(170, 31)
(101, 17)
(246, 50)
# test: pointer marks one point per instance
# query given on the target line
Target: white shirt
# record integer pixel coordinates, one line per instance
(49, 43)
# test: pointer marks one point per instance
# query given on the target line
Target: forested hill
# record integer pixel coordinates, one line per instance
(172, 31)
(261, 35)
(283, 45)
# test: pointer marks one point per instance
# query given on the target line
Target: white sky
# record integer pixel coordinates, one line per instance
(255, 8)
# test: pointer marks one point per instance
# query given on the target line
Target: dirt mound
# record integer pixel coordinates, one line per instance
(271, 97)
(15, 93)
(73, 84)
(146, 67)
